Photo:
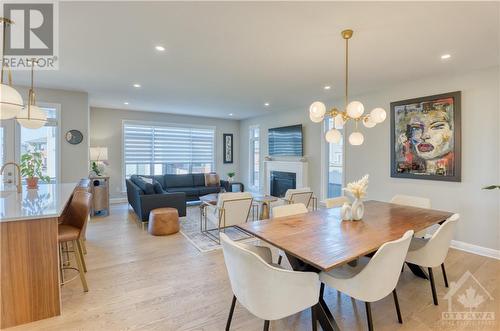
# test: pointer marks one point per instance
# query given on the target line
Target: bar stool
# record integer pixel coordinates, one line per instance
(71, 230)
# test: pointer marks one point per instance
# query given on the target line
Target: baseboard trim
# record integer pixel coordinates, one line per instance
(475, 249)
(114, 201)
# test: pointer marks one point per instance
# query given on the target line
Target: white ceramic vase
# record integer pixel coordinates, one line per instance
(357, 209)
(346, 212)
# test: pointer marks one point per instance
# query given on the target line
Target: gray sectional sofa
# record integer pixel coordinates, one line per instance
(166, 191)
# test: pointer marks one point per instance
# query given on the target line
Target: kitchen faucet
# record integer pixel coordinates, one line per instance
(18, 185)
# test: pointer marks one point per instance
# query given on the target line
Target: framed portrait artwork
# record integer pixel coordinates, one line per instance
(426, 138)
(228, 147)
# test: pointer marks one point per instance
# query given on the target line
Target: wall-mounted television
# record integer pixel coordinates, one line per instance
(285, 141)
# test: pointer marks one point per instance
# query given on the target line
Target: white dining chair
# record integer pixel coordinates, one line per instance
(335, 202)
(413, 201)
(268, 292)
(299, 195)
(372, 279)
(231, 209)
(288, 210)
(432, 252)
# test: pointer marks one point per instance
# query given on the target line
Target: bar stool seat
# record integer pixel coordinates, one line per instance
(67, 232)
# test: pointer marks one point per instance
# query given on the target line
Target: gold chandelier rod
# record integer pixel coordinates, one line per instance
(5, 22)
(347, 34)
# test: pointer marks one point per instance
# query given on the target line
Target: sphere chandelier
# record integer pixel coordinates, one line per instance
(354, 110)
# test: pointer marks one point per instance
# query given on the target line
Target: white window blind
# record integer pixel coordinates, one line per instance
(152, 149)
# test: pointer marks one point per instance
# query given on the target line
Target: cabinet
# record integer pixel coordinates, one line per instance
(99, 187)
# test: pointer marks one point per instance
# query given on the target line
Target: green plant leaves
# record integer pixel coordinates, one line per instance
(491, 187)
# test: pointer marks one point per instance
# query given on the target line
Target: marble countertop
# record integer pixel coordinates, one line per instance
(47, 201)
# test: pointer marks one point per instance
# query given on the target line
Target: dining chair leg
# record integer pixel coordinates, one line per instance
(433, 287)
(230, 317)
(266, 325)
(80, 266)
(369, 316)
(80, 251)
(279, 259)
(314, 317)
(322, 290)
(398, 310)
(444, 275)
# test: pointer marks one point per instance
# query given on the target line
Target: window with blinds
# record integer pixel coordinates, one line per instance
(157, 150)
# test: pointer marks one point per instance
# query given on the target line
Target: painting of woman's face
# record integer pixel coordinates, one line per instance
(430, 134)
(424, 137)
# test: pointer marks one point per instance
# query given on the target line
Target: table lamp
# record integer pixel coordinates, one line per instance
(98, 156)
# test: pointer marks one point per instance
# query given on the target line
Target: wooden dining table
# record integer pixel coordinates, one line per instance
(321, 241)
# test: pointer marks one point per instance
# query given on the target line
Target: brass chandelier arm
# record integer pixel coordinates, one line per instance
(5, 22)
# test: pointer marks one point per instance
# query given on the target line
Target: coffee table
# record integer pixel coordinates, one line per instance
(210, 199)
(265, 200)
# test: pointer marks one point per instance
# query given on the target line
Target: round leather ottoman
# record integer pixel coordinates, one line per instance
(163, 221)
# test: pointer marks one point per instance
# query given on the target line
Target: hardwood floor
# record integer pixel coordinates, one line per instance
(140, 282)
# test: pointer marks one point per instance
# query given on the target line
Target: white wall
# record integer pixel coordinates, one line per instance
(74, 115)
(479, 209)
(106, 131)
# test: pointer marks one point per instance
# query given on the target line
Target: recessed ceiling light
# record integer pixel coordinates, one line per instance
(230, 114)
(327, 87)
(125, 103)
(445, 56)
(160, 48)
(137, 85)
(267, 104)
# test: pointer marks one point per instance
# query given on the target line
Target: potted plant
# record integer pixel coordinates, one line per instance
(230, 176)
(31, 169)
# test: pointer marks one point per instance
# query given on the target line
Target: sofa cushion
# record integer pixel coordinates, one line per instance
(198, 179)
(208, 190)
(172, 181)
(145, 187)
(190, 191)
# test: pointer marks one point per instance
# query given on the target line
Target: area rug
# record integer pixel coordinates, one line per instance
(190, 228)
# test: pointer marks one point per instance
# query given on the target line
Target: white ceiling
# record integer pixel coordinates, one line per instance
(227, 57)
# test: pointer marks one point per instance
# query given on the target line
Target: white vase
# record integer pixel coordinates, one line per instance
(346, 212)
(357, 209)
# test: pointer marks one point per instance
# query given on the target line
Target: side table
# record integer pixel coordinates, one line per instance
(99, 187)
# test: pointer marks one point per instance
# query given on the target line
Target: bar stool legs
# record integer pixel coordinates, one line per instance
(80, 261)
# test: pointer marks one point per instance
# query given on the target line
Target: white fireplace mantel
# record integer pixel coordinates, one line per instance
(297, 167)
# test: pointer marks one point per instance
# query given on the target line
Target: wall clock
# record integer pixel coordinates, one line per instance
(74, 137)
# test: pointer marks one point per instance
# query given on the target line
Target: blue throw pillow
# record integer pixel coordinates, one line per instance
(157, 187)
(146, 187)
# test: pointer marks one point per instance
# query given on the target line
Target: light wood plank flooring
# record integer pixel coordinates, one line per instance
(140, 282)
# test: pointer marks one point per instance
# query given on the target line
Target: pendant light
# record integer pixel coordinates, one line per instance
(32, 117)
(354, 110)
(11, 102)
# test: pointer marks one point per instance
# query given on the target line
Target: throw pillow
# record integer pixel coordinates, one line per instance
(147, 179)
(212, 179)
(157, 187)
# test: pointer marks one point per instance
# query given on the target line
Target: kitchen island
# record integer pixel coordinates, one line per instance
(29, 259)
